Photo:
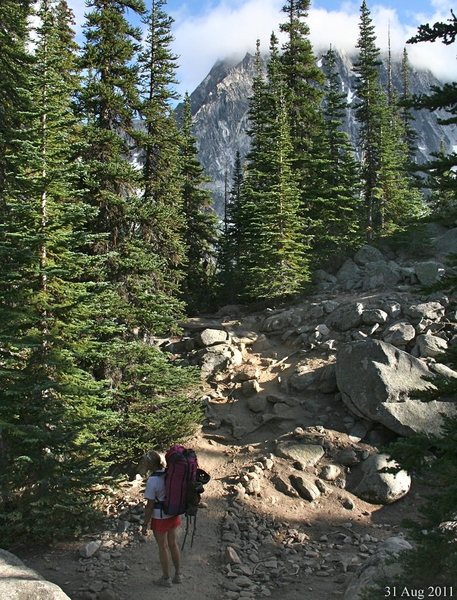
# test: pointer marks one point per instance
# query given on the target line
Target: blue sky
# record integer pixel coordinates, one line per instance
(208, 30)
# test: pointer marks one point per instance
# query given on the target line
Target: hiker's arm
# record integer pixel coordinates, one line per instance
(147, 515)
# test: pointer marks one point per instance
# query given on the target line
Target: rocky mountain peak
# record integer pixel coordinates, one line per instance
(220, 107)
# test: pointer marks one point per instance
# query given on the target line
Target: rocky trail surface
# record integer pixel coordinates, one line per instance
(299, 403)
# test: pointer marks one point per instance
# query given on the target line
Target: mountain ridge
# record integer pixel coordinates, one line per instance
(220, 105)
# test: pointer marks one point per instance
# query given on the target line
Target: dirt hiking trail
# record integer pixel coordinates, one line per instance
(268, 542)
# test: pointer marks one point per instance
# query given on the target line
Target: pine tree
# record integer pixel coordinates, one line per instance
(200, 232)
(340, 210)
(398, 200)
(303, 80)
(107, 105)
(158, 210)
(303, 84)
(133, 219)
(14, 65)
(49, 401)
(441, 169)
(228, 261)
(108, 102)
(405, 110)
(368, 114)
(272, 255)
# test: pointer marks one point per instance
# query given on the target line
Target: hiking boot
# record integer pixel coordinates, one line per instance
(177, 578)
(163, 582)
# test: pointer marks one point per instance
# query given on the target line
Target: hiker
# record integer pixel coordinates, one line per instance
(164, 527)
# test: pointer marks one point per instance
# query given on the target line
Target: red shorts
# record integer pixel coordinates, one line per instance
(164, 525)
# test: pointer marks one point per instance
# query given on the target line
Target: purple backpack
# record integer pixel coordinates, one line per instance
(180, 477)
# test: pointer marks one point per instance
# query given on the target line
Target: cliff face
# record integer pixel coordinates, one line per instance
(220, 111)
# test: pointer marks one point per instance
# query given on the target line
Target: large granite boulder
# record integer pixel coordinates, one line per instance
(345, 317)
(18, 582)
(378, 381)
(370, 480)
(429, 272)
(367, 254)
(219, 357)
(426, 310)
(446, 243)
(349, 275)
(211, 337)
(379, 567)
(429, 345)
(382, 274)
(399, 334)
(284, 319)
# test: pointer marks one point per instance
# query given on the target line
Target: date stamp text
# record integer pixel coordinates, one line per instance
(431, 591)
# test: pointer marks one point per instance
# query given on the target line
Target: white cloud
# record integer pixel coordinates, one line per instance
(226, 30)
(222, 32)
(231, 27)
(437, 57)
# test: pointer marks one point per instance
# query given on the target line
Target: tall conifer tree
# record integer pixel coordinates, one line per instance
(147, 395)
(109, 101)
(391, 197)
(368, 114)
(303, 88)
(14, 64)
(200, 221)
(340, 215)
(158, 210)
(405, 110)
(230, 241)
(398, 200)
(273, 256)
(49, 402)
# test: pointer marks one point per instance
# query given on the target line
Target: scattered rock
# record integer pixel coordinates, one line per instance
(305, 486)
(211, 337)
(231, 557)
(258, 404)
(430, 272)
(430, 345)
(330, 472)
(367, 254)
(90, 549)
(399, 334)
(307, 455)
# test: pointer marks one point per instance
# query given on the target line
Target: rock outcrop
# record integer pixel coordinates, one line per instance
(18, 582)
(378, 567)
(378, 381)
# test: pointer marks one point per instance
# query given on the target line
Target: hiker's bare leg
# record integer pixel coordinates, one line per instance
(174, 550)
(161, 539)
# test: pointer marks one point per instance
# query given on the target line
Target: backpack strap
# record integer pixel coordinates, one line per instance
(159, 503)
